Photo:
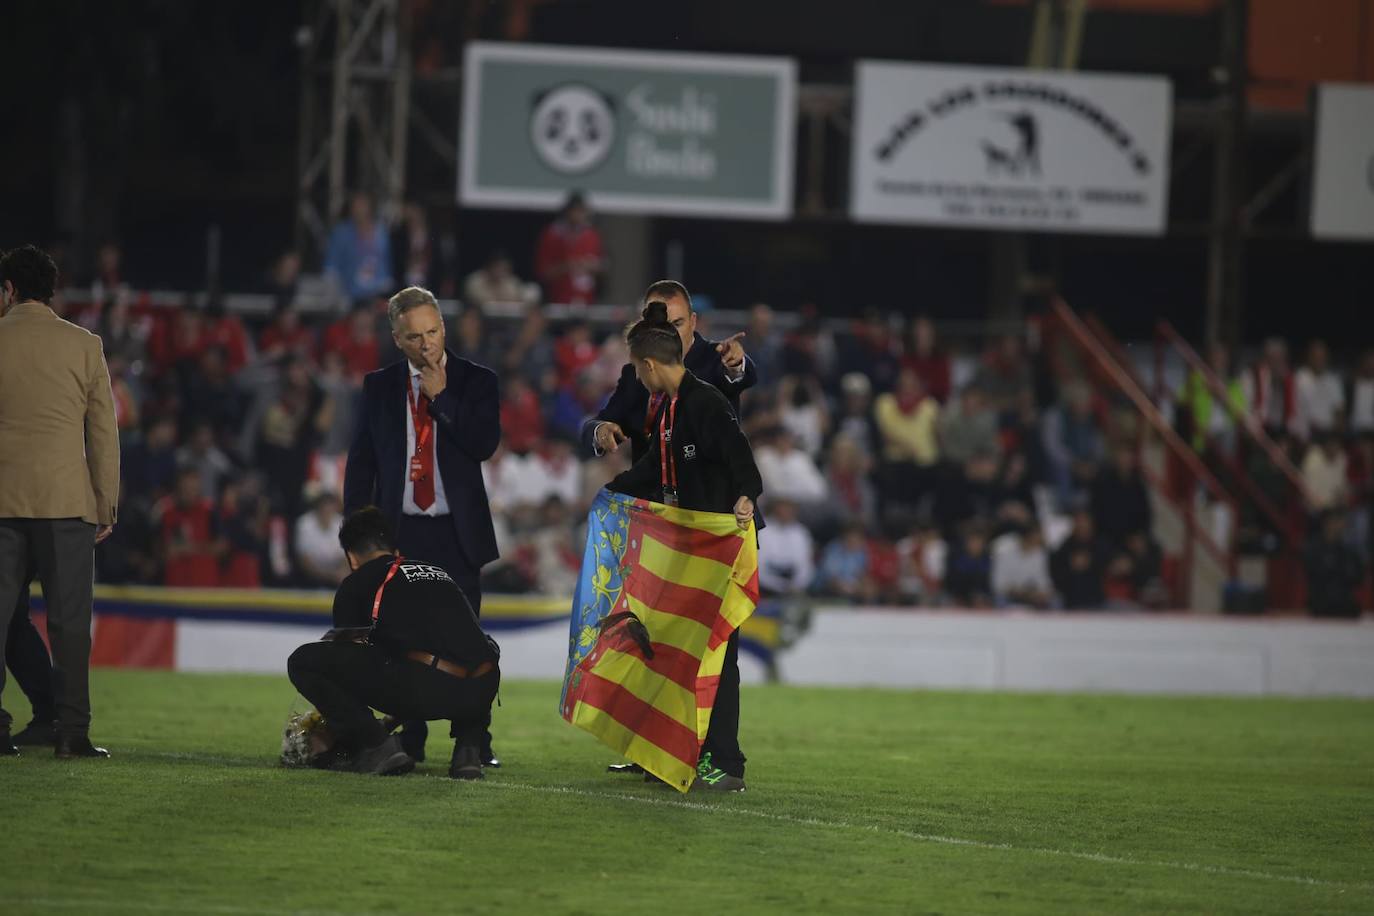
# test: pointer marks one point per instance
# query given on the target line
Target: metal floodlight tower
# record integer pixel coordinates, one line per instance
(356, 71)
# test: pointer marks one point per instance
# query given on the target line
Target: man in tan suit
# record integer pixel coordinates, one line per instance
(59, 478)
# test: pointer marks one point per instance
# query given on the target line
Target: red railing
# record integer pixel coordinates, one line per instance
(1107, 362)
(1287, 517)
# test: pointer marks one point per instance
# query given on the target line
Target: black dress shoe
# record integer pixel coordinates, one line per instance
(466, 763)
(490, 760)
(7, 747)
(72, 748)
(37, 734)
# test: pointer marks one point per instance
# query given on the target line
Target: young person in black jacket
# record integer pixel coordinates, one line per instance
(697, 458)
(626, 414)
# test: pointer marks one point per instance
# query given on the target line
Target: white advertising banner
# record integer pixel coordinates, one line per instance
(1343, 163)
(983, 147)
(640, 132)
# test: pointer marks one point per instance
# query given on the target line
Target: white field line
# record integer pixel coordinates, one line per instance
(824, 824)
(938, 839)
(892, 831)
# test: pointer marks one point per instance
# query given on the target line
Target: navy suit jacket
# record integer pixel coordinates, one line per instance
(629, 403)
(467, 418)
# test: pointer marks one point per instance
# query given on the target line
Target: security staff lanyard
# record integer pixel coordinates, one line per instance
(424, 428)
(667, 460)
(377, 601)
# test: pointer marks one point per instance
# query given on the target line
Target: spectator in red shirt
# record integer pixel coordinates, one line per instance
(178, 340)
(574, 351)
(884, 571)
(354, 339)
(227, 332)
(569, 259)
(522, 422)
(924, 357)
(242, 522)
(189, 535)
(286, 335)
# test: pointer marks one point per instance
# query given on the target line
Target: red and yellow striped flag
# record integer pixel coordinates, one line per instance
(691, 578)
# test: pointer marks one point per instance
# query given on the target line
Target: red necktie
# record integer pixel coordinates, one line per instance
(422, 462)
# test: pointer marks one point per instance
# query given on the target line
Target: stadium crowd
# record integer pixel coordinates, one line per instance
(895, 471)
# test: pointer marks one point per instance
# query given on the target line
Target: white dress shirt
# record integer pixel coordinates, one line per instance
(791, 476)
(1016, 569)
(440, 504)
(787, 566)
(316, 543)
(1321, 400)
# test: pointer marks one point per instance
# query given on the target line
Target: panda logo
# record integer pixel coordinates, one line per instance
(572, 128)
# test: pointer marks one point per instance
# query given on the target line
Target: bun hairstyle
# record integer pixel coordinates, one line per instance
(654, 337)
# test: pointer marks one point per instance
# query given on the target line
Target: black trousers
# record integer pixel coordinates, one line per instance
(62, 552)
(434, 540)
(347, 680)
(722, 737)
(26, 655)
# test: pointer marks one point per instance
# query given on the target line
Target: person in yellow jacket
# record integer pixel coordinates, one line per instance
(1212, 425)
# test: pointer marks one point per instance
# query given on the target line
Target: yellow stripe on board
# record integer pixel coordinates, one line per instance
(684, 569)
(286, 601)
(664, 694)
(766, 631)
(620, 739)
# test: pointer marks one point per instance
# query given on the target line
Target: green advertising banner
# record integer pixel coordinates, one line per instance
(649, 133)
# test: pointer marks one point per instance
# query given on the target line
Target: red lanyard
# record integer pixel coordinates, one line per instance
(665, 447)
(377, 601)
(421, 434)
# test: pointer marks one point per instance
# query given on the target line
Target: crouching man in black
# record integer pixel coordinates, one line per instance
(405, 642)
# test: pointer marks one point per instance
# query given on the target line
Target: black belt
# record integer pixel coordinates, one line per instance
(448, 667)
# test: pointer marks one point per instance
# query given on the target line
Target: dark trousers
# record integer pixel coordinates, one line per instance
(62, 552)
(434, 540)
(347, 680)
(722, 737)
(26, 655)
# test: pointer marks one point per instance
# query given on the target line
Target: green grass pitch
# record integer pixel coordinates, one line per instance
(859, 801)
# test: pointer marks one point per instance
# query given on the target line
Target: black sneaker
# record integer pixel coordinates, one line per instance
(7, 746)
(386, 759)
(713, 778)
(466, 763)
(627, 769)
(490, 760)
(37, 734)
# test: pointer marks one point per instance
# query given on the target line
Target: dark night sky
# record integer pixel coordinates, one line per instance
(185, 115)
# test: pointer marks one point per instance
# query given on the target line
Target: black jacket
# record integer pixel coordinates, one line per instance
(629, 402)
(467, 414)
(422, 610)
(715, 463)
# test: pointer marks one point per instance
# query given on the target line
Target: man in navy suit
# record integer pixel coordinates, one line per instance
(631, 410)
(719, 363)
(428, 423)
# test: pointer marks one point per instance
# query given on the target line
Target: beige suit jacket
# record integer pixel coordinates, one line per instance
(59, 448)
